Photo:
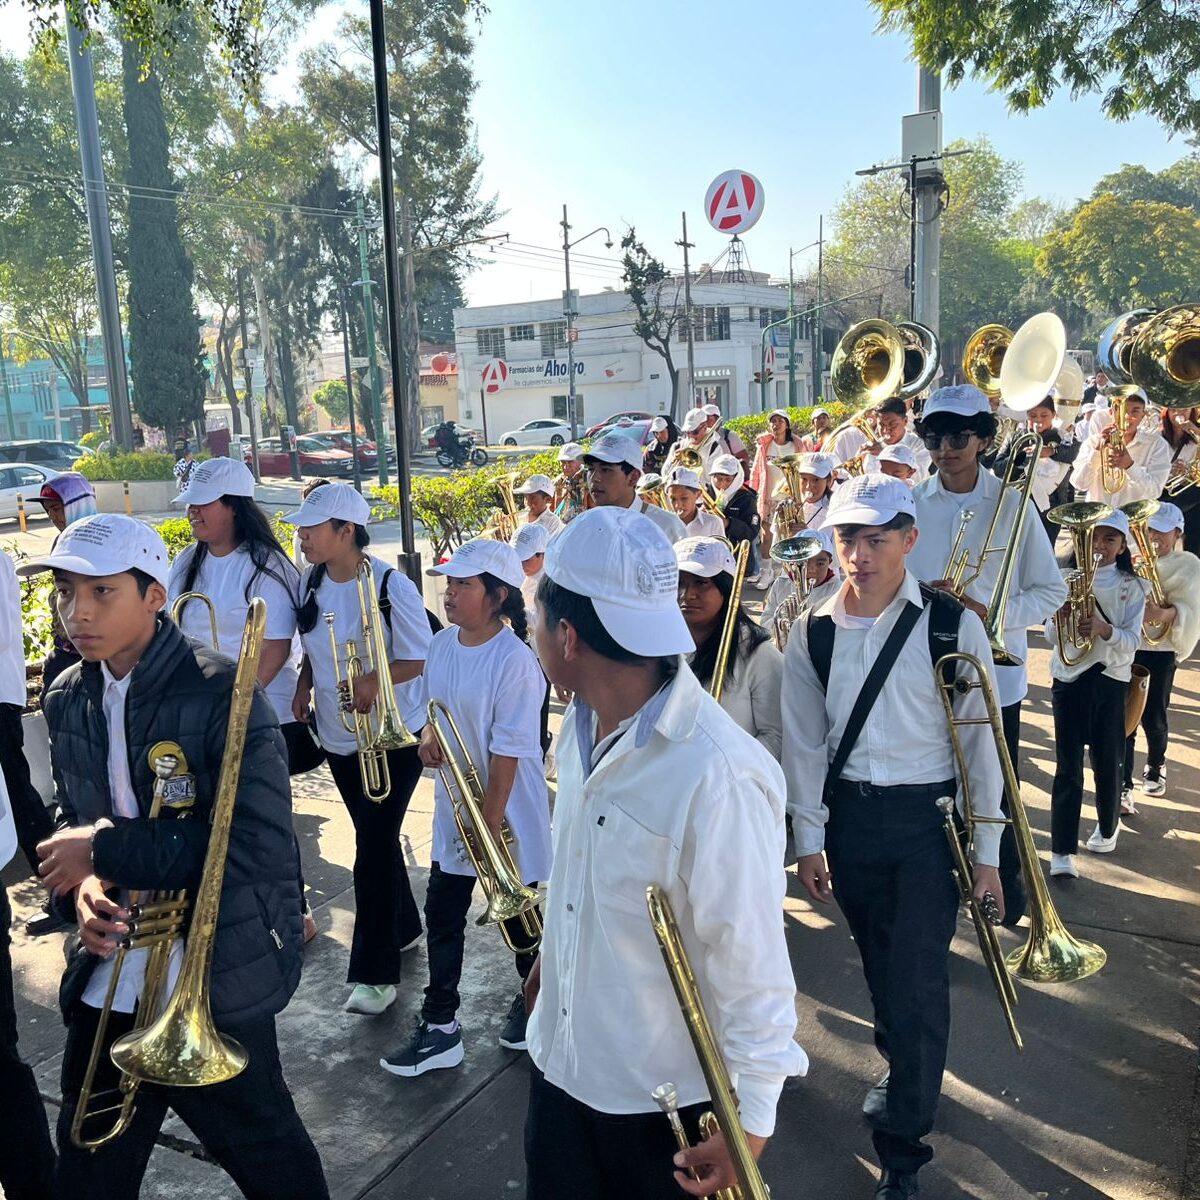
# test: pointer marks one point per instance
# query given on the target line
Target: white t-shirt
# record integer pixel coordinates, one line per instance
(224, 581)
(494, 692)
(12, 641)
(705, 524)
(529, 588)
(407, 636)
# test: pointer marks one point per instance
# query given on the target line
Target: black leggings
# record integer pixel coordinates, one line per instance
(1161, 665)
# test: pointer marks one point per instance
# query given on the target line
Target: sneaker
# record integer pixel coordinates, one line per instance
(512, 1036)
(1128, 807)
(414, 943)
(1154, 780)
(1064, 864)
(427, 1050)
(370, 999)
(48, 921)
(1099, 844)
(310, 925)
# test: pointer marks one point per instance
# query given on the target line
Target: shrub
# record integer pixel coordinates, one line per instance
(91, 440)
(177, 533)
(140, 466)
(749, 427)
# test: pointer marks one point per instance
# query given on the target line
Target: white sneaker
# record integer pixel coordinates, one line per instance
(414, 943)
(1128, 806)
(1098, 844)
(1154, 781)
(371, 999)
(1064, 864)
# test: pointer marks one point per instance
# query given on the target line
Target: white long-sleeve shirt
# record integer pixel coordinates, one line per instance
(704, 524)
(12, 640)
(1123, 599)
(682, 798)
(668, 522)
(1151, 454)
(1037, 587)
(751, 692)
(917, 446)
(905, 739)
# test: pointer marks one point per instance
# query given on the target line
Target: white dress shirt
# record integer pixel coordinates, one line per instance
(751, 691)
(12, 640)
(668, 522)
(1037, 587)
(1151, 454)
(704, 524)
(549, 522)
(917, 446)
(683, 799)
(846, 445)
(1123, 599)
(905, 739)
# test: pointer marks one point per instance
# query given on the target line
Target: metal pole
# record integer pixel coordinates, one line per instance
(819, 325)
(569, 313)
(350, 386)
(87, 126)
(791, 333)
(691, 337)
(927, 308)
(410, 560)
(8, 411)
(912, 240)
(366, 283)
(251, 415)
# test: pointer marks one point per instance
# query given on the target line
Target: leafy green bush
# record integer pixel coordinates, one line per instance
(177, 533)
(749, 427)
(140, 466)
(91, 440)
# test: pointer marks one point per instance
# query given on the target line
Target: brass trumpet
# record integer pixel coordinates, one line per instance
(1189, 477)
(1139, 513)
(507, 896)
(1081, 517)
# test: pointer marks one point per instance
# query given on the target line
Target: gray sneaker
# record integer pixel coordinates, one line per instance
(512, 1036)
(427, 1050)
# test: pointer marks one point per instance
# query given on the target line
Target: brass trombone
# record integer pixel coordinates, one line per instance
(1081, 517)
(1139, 513)
(724, 1119)
(729, 629)
(182, 601)
(507, 896)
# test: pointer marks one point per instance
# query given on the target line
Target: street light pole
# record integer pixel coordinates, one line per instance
(819, 330)
(342, 295)
(571, 312)
(251, 415)
(691, 336)
(366, 283)
(8, 410)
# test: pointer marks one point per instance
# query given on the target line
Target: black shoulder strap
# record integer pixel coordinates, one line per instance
(820, 646)
(945, 616)
(385, 601)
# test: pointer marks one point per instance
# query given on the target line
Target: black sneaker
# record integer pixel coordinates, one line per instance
(1154, 780)
(48, 922)
(512, 1036)
(427, 1050)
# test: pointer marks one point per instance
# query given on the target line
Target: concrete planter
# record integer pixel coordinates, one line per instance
(145, 496)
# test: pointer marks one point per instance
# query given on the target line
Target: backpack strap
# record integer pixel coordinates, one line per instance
(945, 616)
(385, 606)
(820, 646)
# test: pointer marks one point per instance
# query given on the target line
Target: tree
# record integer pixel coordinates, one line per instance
(331, 396)
(654, 293)
(1138, 55)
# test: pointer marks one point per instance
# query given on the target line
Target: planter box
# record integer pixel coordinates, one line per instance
(145, 496)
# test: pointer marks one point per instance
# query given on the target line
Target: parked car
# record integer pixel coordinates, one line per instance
(593, 430)
(315, 458)
(22, 479)
(59, 456)
(366, 448)
(541, 432)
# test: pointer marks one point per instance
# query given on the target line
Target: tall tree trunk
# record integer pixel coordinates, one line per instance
(265, 345)
(411, 328)
(226, 334)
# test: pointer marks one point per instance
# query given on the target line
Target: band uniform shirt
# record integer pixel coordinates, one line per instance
(529, 590)
(226, 581)
(548, 521)
(1123, 599)
(1151, 454)
(678, 796)
(846, 445)
(917, 446)
(494, 692)
(905, 739)
(124, 801)
(668, 522)
(407, 636)
(783, 587)
(12, 641)
(704, 524)
(1037, 588)
(751, 693)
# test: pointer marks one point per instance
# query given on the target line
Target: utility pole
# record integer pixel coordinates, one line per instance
(791, 332)
(366, 283)
(8, 411)
(818, 315)
(569, 308)
(927, 253)
(251, 415)
(87, 125)
(687, 300)
(342, 295)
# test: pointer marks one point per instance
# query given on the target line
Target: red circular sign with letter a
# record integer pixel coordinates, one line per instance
(493, 375)
(734, 202)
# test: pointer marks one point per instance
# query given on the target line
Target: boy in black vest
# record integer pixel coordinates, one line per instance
(867, 754)
(142, 683)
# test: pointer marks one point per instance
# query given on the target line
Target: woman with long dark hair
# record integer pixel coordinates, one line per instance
(1181, 431)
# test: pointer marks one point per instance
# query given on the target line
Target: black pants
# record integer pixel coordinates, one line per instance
(573, 1150)
(1011, 877)
(1088, 711)
(33, 820)
(447, 901)
(26, 1153)
(385, 914)
(891, 866)
(248, 1124)
(1161, 665)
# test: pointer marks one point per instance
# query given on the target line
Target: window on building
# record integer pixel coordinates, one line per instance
(490, 341)
(711, 324)
(768, 316)
(520, 333)
(554, 337)
(558, 407)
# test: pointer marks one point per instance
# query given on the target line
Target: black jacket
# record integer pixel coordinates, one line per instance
(742, 511)
(180, 691)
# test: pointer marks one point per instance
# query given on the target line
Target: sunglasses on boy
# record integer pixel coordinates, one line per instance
(955, 441)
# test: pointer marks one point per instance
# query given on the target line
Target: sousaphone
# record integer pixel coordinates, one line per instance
(1032, 362)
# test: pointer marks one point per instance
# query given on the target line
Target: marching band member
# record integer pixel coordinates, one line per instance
(891, 423)
(333, 535)
(1059, 452)
(765, 477)
(1181, 431)
(484, 672)
(899, 462)
(695, 436)
(1088, 699)
(663, 435)
(530, 542)
(684, 492)
(737, 505)
(656, 786)
(143, 682)
(614, 465)
(726, 438)
(570, 488)
(822, 424)
(1179, 572)
(823, 579)
(538, 491)
(864, 798)
(754, 673)
(957, 426)
(816, 484)
(306, 491)
(1145, 458)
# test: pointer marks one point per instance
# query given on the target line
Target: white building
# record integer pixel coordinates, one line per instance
(615, 371)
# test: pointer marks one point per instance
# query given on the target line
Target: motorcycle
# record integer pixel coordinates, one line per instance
(465, 451)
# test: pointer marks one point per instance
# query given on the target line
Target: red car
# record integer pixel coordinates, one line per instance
(315, 459)
(368, 453)
(602, 425)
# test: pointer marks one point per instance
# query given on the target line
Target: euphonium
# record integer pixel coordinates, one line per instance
(1112, 441)
(503, 522)
(1165, 356)
(181, 602)
(507, 896)
(1139, 513)
(729, 629)
(724, 1118)
(1081, 517)
(788, 517)
(653, 489)
(183, 1048)
(794, 554)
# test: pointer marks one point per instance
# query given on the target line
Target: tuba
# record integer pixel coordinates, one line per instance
(1165, 356)
(922, 357)
(508, 898)
(729, 629)
(503, 522)
(794, 553)
(1139, 513)
(867, 366)
(983, 358)
(788, 517)
(1116, 342)
(1081, 517)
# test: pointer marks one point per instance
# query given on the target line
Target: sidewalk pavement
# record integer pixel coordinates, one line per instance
(1101, 1104)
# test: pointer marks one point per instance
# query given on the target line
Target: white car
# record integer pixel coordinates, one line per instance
(542, 432)
(23, 479)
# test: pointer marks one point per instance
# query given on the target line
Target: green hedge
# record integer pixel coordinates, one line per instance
(140, 466)
(749, 427)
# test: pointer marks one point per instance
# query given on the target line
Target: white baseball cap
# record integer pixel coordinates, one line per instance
(529, 540)
(571, 452)
(106, 544)
(898, 453)
(214, 478)
(778, 412)
(536, 483)
(333, 501)
(872, 499)
(820, 465)
(704, 556)
(961, 399)
(711, 410)
(725, 464)
(1118, 520)
(820, 412)
(483, 556)
(626, 566)
(684, 477)
(694, 419)
(658, 424)
(615, 448)
(1167, 519)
